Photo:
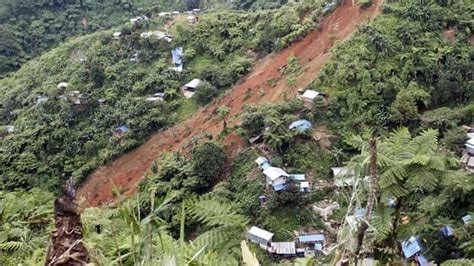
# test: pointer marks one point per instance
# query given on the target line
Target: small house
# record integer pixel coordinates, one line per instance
(300, 125)
(116, 35)
(154, 99)
(196, 10)
(175, 12)
(160, 35)
(41, 99)
(192, 19)
(10, 129)
(466, 219)
(447, 230)
(411, 247)
(470, 146)
(262, 162)
(329, 6)
(467, 161)
(309, 96)
(138, 20)
(164, 14)
(177, 58)
(135, 57)
(190, 87)
(260, 236)
(122, 129)
(286, 249)
(304, 186)
(297, 177)
(62, 85)
(311, 239)
(276, 177)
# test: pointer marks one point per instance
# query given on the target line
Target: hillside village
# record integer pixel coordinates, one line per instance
(236, 132)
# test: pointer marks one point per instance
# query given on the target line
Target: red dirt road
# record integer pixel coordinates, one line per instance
(313, 51)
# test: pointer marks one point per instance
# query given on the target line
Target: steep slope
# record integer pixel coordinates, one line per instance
(125, 172)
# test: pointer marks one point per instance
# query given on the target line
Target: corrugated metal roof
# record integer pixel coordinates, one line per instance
(265, 165)
(260, 160)
(318, 246)
(301, 125)
(193, 83)
(312, 238)
(310, 94)
(304, 184)
(298, 177)
(122, 128)
(447, 230)
(411, 247)
(260, 233)
(177, 55)
(274, 173)
(342, 171)
(284, 248)
(279, 187)
(466, 219)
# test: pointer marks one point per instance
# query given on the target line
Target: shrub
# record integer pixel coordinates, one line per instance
(205, 93)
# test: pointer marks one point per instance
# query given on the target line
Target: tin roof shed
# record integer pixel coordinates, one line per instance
(284, 248)
(274, 173)
(260, 233)
(312, 238)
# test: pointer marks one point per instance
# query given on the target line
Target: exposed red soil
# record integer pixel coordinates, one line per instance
(313, 51)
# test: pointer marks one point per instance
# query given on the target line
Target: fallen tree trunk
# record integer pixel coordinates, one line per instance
(67, 247)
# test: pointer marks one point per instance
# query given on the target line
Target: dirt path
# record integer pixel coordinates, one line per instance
(313, 51)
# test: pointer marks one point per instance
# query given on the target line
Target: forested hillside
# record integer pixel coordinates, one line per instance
(28, 28)
(68, 129)
(371, 164)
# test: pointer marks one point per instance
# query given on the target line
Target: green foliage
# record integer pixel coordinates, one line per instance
(205, 93)
(416, 172)
(208, 161)
(25, 224)
(58, 138)
(394, 66)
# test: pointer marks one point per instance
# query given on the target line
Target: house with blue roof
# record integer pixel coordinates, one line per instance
(447, 230)
(278, 178)
(300, 125)
(315, 241)
(412, 247)
(177, 58)
(122, 129)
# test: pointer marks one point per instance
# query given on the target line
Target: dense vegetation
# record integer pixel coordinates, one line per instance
(55, 138)
(28, 27)
(400, 66)
(401, 81)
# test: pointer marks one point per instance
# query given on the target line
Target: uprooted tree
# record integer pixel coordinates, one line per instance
(67, 247)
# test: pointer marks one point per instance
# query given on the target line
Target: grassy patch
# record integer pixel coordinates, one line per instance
(187, 109)
(284, 221)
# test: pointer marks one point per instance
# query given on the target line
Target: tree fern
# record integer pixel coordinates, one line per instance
(381, 222)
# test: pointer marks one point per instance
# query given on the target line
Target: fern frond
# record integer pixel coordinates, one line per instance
(11, 246)
(215, 213)
(382, 222)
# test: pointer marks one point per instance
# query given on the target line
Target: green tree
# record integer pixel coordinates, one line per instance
(208, 161)
(205, 93)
